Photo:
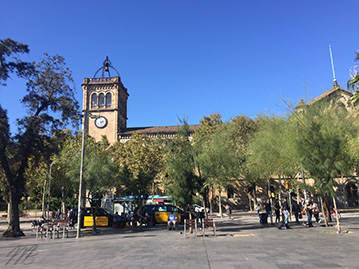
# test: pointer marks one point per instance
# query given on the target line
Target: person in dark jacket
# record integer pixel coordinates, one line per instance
(296, 210)
(286, 213)
(308, 208)
(268, 208)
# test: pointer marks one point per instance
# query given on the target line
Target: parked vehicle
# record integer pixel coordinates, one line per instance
(104, 217)
(159, 213)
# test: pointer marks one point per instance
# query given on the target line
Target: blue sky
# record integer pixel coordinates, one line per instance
(191, 58)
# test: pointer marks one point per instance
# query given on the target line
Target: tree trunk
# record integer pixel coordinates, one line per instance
(254, 195)
(327, 208)
(324, 212)
(205, 209)
(43, 209)
(304, 191)
(63, 202)
(336, 215)
(280, 198)
(13, 229)
(220, 202)
(211, 200)
(94, 230)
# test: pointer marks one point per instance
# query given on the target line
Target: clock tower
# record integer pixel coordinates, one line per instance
(105, 104)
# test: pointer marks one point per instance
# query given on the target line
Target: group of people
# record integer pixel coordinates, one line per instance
(306, 207)
(70, 216)
(129, 219)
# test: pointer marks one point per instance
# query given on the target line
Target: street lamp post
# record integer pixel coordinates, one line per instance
(85, 114)
(81, 175)
(48, 198)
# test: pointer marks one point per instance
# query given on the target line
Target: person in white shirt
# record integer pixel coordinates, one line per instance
(172, 221)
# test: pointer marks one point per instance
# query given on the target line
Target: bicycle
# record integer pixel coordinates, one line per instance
(332, 214)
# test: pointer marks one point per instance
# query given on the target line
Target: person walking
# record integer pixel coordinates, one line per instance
(296, 211)
(229, 211)
(315, 210)
(286, 213)
(268, 208)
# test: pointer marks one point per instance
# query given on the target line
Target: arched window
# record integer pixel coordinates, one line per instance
(94, 100)
(101, 100)
(108, 99)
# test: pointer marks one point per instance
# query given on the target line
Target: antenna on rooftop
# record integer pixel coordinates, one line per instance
(331, 59)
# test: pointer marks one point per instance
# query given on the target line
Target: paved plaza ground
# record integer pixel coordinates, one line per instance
(241, 242)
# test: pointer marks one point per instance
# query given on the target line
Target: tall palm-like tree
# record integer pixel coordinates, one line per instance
(353, 83)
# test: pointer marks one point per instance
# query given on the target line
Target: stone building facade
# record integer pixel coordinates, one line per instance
(105, 110)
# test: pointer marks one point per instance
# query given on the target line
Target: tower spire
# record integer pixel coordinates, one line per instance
(106, 68)
(331, 59)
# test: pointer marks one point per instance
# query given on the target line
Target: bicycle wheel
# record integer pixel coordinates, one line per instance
(334, 217)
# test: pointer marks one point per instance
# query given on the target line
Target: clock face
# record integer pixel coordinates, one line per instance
(101, 122)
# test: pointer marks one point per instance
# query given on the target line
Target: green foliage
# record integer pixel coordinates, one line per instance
(272, 149)
(138, 163)
(10, 51)
(216, 159)
(50, 102)
(354, 83)
(208, 127)
(51, 89)
(240, 130)
(99, 171)
(324, 135)
(182, 183)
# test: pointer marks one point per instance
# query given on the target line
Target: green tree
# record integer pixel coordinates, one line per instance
(240, 131)
(65, 167)
(201, 138)
(139, 161)
(10, 62)
(181, 182)
(50, 102)
(324, 135)
(99, 173)
(272, 151)
(39, 172)
(217, 161)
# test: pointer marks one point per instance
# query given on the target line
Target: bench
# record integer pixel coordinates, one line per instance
(45, 230)
(209, 224)
(61, 225)
(190, 224)
(50, 228)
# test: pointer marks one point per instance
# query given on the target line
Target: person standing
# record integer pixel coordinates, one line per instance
(315, 210)
(257, 208)
(58, 214)
(286, 213)
(309, 210)
(296, 210)
(268, 208)
(229, 211)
